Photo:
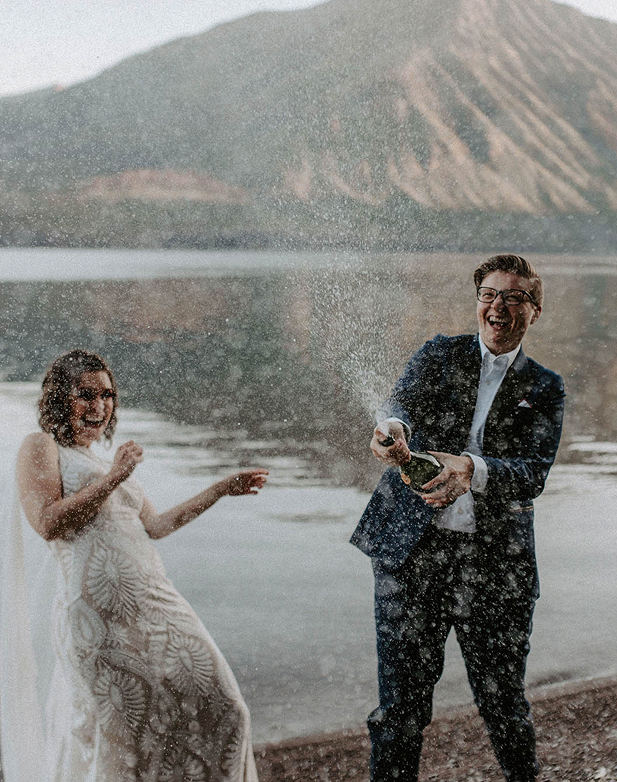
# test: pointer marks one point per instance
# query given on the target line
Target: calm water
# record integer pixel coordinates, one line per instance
(278, 360)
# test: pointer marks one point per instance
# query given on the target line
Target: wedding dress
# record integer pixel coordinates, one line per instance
(140, 692)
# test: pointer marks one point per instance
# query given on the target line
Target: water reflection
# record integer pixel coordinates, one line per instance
(298, 356)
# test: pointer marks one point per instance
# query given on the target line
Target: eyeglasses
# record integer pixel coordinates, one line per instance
(512, 297)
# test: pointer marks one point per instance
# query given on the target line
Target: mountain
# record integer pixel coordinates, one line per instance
(368, 117)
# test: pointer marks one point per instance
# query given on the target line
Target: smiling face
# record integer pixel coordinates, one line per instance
(503, 327)
(92, 402)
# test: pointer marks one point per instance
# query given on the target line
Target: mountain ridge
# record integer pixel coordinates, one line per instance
(464, 106)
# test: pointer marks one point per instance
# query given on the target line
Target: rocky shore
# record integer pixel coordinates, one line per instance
(576, 727)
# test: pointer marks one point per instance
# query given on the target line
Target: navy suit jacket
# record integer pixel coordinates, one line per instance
(436, 397)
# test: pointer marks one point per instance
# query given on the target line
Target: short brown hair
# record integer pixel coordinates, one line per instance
(60, 379)
(515, 265)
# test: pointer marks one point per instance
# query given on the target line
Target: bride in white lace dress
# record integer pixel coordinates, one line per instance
(149, 695)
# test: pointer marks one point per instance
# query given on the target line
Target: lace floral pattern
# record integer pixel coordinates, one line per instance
(152, 698)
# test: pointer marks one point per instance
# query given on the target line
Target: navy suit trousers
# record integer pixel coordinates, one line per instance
(450, 582)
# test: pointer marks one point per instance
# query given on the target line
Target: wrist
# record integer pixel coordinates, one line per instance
(221, 488)
(479, 476)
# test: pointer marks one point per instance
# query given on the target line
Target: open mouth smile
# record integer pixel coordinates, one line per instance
(93, 424)
(498, 323)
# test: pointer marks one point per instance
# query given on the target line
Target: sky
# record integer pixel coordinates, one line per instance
(60, 42)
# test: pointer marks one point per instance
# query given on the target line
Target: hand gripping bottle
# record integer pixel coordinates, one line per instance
(420, 469)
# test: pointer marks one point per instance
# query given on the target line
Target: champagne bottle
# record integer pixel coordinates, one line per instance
(421, 468)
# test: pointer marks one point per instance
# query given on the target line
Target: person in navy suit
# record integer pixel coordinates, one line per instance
(461, 553)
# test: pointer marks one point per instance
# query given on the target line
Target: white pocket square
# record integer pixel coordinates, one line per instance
(524, 403)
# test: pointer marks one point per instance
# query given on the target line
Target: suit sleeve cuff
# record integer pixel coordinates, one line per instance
(479, 478)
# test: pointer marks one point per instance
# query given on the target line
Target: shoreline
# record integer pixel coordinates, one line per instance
(576, 728)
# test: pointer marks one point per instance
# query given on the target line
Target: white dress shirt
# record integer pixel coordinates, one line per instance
(460, 515)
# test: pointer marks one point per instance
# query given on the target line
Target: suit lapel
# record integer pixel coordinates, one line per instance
(465, 379)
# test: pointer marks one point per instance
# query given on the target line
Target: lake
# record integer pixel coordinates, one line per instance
(278, 360)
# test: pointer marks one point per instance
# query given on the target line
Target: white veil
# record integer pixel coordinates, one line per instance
(21, 723)
(28, 582)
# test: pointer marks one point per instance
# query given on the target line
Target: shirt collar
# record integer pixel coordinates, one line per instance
(488, 358)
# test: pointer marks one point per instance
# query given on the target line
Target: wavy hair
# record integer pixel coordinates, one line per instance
(60, 379)
(514, 264)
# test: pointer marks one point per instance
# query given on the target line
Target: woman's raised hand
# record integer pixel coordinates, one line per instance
(160, 524)
(126, 459)
(245, 482)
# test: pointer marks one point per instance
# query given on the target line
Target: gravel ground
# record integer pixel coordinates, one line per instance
(576, 728)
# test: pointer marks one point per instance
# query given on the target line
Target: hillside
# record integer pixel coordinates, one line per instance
(354, 119)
